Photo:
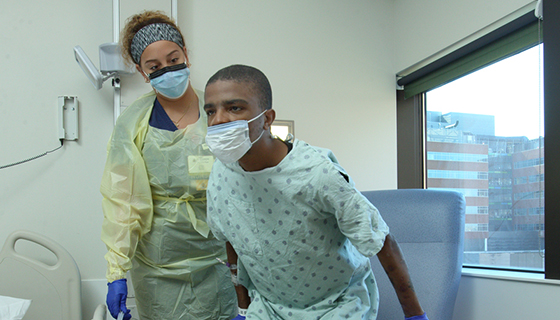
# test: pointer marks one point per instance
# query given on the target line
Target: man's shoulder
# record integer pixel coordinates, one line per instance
(314, 152)
(319, 159)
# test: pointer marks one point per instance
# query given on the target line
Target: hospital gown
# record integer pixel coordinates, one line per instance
(303, 234)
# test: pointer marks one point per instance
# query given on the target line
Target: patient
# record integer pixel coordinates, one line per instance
(302, 231)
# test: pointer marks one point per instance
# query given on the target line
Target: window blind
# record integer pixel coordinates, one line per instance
(502, 43)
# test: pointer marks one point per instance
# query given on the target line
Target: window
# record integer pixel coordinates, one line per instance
(283, 129)
(515, 163)
(490, 124)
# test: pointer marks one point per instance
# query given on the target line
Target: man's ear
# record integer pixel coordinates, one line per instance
(269, 115)
(142, 74)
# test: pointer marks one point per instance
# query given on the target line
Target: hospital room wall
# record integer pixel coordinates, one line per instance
(328, 63)
(56, 195)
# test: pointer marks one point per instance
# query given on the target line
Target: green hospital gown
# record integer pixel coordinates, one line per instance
(303, 234)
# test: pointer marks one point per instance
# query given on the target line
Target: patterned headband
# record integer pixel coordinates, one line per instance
(150, 34)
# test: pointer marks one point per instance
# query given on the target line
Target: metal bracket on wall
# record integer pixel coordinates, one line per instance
(68, 117)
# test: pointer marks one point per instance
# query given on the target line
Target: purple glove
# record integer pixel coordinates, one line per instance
(422, 317)
(116, 298)
(239, 317)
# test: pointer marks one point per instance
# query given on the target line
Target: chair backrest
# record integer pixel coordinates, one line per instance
(54, 288)
(429, 227)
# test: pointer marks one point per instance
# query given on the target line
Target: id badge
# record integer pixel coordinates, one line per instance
(201, 185)
(200, 164)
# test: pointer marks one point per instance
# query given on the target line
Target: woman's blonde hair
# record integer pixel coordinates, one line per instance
(137, 22)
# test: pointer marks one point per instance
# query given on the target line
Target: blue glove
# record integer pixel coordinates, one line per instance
(116, 298)
(422, 317)
(241, 315)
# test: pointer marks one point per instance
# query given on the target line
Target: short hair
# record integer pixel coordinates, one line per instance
(250, 75)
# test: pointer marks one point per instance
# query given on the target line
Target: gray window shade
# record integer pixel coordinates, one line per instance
(463, 62)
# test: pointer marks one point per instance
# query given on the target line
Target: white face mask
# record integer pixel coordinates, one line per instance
(230, 141)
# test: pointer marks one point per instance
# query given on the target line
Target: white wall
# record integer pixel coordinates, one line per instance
(329, 64)
(424, 27)
(482, 298)
(58, 194)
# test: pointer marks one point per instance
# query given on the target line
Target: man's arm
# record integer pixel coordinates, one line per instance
(243, 299)
(392, 260)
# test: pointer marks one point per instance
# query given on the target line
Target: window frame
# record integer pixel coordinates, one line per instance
(411, 139)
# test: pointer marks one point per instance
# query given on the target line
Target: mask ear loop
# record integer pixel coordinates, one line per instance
(249, 121)
(147, 79)
(257, 139)
(262, 132)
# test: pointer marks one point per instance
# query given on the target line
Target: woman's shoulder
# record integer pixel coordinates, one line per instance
(145, 101)
(134, 117)
(200, 95)
(138, 108)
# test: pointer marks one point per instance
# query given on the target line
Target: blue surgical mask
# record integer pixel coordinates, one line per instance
(171, 81)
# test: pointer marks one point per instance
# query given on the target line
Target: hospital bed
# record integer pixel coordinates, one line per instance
(44, 273)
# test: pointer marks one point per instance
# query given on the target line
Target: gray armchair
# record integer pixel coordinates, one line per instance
(429, 227)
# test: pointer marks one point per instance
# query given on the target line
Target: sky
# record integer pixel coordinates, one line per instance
(510, 89)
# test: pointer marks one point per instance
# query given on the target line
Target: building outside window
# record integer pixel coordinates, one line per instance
(484, 138)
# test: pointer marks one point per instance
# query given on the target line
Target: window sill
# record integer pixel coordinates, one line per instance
(508, 275)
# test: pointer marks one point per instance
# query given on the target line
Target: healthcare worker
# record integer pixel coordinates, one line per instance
(154, 189)
(302, 231)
